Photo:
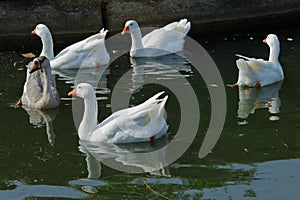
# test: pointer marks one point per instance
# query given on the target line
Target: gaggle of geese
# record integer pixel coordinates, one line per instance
(146, 121)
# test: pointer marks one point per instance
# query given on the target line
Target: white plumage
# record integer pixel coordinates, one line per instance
(134, 124)
(90, 52)
(258, 72)
(163, 41)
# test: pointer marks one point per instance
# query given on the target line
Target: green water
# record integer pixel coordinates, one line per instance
(255, 157)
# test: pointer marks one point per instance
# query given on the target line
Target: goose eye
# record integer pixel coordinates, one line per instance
(130, 24)
(79, 87)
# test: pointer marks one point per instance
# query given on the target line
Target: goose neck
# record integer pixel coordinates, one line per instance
(47, 91)
(136, 37)
(47, 83)
(89, 120)
(274, 53)
(47, 46)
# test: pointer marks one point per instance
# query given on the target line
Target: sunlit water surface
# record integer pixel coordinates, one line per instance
(255, 157)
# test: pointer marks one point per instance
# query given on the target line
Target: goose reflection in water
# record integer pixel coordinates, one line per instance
(138, 157)
(251, 99)
(158, 68)
(40, 118)
(96, 76)
(132, 158)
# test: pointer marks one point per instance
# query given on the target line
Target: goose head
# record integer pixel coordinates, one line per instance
(83, 90)
(40, 63)
(41, 30)
(130, 25)
(272, 41)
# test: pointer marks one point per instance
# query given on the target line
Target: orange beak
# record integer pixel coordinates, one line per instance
(72, 93)
(126, 29)
(265, 40)
(33, 32)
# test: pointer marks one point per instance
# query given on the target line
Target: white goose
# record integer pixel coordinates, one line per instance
(163, 41)
(258, 72)
(141, 123)
(87, 53)
(38, 92)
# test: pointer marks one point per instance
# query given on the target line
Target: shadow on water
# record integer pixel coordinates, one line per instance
(257, 160)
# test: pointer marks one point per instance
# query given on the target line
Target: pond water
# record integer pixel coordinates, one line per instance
(255, 156)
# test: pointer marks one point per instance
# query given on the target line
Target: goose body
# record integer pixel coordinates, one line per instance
(258, 72)
(33, 86)
(90, 52)
(38, 92)
(135, 124)
(163, 41)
